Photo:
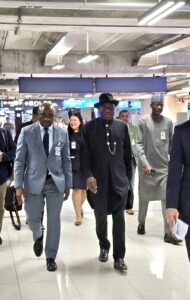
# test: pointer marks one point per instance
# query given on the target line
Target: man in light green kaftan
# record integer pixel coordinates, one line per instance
(153, 144)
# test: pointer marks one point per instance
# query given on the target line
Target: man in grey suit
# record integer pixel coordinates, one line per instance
(42, 170)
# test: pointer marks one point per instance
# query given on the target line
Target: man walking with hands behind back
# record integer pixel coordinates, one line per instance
(42, 170)
(106, 165)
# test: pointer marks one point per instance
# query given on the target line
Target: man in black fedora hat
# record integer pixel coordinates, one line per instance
(106, 166)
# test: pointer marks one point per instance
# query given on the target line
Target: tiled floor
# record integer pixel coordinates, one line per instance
(156, 270)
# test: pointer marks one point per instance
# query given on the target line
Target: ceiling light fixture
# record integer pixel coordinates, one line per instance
(159, 11)
(88, 57)
(58, 65)
(157, 67)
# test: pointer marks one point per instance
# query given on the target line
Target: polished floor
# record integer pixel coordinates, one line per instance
(156, 270)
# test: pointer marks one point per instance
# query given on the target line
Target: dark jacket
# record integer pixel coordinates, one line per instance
(178, 183)
(110, 170)
(75, 153)
(20, 128)
(8, 147)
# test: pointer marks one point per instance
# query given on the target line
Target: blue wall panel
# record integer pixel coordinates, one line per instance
(55, 85)
(90, 85)
(131, 85)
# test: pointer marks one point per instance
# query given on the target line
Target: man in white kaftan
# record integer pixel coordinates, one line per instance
(153, 144)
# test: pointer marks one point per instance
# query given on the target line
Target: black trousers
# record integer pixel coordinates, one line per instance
(187, 240)
(118, 232)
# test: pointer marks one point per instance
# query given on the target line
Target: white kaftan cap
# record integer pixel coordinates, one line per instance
(157, 98)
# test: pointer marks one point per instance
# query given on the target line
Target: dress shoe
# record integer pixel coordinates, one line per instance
(141, 229)
(119, 264)
(103, 257)
(51, 264)
(38, 246)
(172, 239)
(1, 241)
(130, 211)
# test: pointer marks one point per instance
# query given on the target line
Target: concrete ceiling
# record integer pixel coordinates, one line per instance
(31, 30)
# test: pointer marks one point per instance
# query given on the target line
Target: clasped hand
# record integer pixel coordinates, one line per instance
(92, 184)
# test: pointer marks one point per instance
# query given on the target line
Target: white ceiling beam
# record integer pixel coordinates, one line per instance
(65, 45)
(119, 62)
(109, 41)
(103, 29)
(122, 4)
(184, 43)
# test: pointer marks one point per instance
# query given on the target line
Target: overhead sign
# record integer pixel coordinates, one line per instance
(55, 85)
(131, 85)
(92, 85)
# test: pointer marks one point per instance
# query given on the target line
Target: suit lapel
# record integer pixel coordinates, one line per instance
(55, 139)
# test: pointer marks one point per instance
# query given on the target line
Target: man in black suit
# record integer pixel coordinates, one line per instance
(35, 118)
(178, 187)
(7, 154)
(106, 166)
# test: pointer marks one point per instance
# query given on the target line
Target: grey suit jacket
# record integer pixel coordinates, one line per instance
(31, 163)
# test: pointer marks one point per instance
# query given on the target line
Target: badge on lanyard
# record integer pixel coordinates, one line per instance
(162, 135)
(133, 142)
(73, 145)
(57, 151)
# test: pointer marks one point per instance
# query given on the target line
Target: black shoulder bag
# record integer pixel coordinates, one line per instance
(10, 164)
(12, 205)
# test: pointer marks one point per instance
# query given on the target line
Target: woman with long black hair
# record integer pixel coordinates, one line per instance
(79, 185)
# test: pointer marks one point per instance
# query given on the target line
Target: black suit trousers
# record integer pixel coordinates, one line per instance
(187, 240)
(118, 232)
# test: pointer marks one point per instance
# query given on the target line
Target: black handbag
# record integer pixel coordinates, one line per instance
(10, 164)
(12, 205)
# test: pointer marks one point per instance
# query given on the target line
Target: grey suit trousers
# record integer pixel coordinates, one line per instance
(34, 206)
(143, 208)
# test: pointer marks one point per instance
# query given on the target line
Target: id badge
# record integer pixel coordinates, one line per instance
(162, 135)
(73, 145)
(133, 142)
(57, 151)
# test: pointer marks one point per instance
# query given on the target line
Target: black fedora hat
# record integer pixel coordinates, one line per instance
(106, 98)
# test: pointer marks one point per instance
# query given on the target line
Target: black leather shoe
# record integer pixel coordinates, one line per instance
(1, 241)
(103, 257)
(119, 264)
(51, 264)
(141, 229)
(38, 246)
(172, 239)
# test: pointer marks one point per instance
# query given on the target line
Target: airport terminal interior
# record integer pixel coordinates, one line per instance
(67, 53)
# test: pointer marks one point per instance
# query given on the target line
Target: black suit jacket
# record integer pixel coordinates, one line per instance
(8, 155)
(110, 171)
(20, 128)
(178, 184)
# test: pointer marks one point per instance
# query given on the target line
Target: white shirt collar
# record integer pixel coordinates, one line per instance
(49, 128)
